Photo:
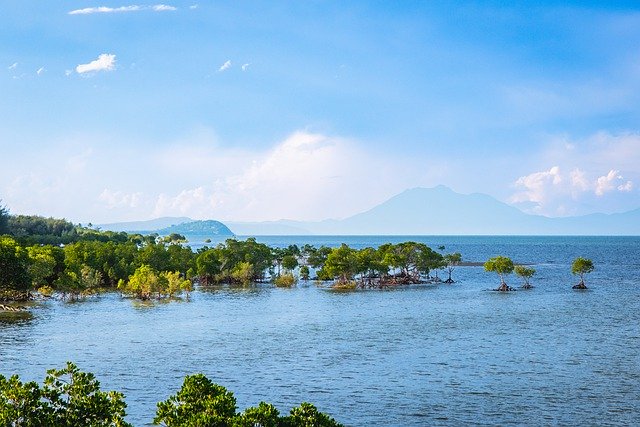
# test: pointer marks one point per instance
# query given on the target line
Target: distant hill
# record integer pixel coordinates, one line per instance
(441, 211)
(418, 211)
(145, 226)
(198, 228)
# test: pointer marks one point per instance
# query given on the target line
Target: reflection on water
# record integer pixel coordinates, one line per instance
(423, 355)
(15, 317)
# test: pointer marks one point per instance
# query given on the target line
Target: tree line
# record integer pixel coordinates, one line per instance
(69, 397)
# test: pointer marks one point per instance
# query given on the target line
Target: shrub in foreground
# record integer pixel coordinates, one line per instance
(71, 398)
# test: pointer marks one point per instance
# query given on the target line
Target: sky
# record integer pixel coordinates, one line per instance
(307, 110)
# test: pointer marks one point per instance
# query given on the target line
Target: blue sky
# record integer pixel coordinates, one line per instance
(251, 110)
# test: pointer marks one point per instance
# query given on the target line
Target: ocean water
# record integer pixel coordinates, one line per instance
(422, 355)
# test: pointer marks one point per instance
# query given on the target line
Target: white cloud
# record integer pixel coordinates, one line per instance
(104, 9)
(40, 71)
(105, 62)
(122, 9)
(193, 6)
(595, 174)
(68, 72)
(306, 176)
(163, 8)
(119, 199)
(13, 66)
(225, 66)
(245, 67)
(552, 192)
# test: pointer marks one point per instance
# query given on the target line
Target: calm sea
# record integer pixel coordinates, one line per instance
(424, 355)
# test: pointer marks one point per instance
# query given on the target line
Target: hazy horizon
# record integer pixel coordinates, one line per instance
(255, 111)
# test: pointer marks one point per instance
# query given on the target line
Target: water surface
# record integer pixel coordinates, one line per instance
(423, 355)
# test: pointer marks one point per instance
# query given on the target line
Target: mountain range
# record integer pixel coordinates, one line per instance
(439, 211)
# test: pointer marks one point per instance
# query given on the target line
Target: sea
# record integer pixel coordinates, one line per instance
(423, 355)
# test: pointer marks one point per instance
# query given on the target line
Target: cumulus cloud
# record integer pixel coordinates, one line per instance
(551, 192)
(105, 62)
(13, 66)
(308, 176)
(245, 67)
(225, 66)
(595, 174)
(121, 9)
(40, 71)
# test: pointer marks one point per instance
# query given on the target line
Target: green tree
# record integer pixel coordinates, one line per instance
(307, 415)
(502, 266)
(42, 264)
(289, 262)
(4, 219)
(68, 398)
(304, 272)
(14, 266)
(452, 261)
(199, 402)
(208, 266)
(142, 284)
(526, 273)
(580, 267)
(175, 283)
(342, 263)
(263, 415)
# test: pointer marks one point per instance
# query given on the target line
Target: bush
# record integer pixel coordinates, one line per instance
(285, 280)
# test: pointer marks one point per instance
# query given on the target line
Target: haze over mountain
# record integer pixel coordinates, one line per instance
(151, 225)
(417, 211)
(440, 210)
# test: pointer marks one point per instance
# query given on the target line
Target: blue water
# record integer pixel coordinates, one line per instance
(423, 355)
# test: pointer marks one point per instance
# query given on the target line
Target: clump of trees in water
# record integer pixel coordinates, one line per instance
(504, 266)
(70, 397)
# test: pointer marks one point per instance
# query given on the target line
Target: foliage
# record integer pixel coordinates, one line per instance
(452, 261)
(199, 402)
(242, 272)
(304, 272)
(500, 265)
(68, 398)
(582, 266)
(37, 229)
(342, 262)
(43, 261)
(307, 415)
(142, 284)
(14, 265)
(285, 280)
(526, 273)
(263, 415)
(289, 262)
(175, 283)
(4, 219)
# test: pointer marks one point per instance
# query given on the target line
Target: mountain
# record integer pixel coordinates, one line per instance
(207, 228)
(440, 210)
(145, 226)
(418, 211)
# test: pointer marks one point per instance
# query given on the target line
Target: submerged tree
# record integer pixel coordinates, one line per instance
(580, 267)
(502, 266)
(452, 261)
(526, 273)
